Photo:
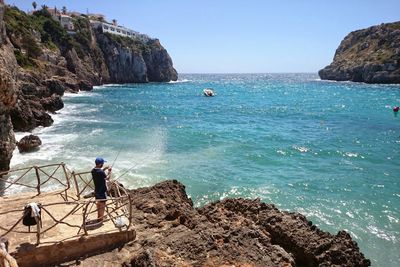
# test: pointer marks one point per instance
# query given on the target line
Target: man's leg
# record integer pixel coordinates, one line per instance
(101, 206)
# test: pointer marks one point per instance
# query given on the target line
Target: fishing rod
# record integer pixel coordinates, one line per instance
(119, 151)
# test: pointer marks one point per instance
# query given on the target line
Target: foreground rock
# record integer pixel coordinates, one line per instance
(29, 143)
(239, 232)
(370, 55)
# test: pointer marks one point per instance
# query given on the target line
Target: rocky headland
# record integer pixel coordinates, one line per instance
(40, 60)
(232, 232)
(370, 55)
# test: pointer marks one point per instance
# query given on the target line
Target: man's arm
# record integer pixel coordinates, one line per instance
(108, 176)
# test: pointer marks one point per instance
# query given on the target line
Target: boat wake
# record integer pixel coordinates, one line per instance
(181, 81)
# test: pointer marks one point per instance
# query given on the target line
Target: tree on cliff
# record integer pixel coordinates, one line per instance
(34, 5)
(64, 10)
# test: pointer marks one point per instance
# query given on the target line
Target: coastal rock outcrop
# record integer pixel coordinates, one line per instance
(29, 143)
(125, 62)
(159, 63)
(29, 114)
(232, 232)
(8, 94)
(370, 55)
(136, 60)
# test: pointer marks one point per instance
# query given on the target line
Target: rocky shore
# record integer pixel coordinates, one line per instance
(40, 60)
(232, 232)
(370, 55)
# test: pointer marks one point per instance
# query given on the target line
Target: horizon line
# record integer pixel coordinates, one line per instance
(247, 73)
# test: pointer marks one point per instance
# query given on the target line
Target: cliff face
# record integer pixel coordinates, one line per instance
(159, 63)
(136, 60)
(125, 63)
(8, 95)
(39, 61)
(370, 55)
(232, 232)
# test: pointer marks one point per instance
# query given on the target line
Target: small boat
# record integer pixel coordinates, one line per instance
(208, 92)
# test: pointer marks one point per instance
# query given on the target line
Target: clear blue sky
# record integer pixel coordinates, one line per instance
(208, 36)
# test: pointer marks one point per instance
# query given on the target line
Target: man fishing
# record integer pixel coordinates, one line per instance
(100, 187)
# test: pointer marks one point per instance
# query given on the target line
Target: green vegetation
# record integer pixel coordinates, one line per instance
(394, 26)
(29, 32)
(83, 37)
(30, 45)
(134, 43)
(23, 60)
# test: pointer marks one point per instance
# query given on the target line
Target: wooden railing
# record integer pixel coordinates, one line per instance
(83, 183)
(116, 209)
(38, 178)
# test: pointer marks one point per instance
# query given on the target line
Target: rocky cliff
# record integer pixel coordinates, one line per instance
(8, 94)
(40, 60)
(370, 55)
(231, 232)
(149, 61)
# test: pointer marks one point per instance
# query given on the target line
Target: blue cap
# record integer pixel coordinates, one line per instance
(99, 161)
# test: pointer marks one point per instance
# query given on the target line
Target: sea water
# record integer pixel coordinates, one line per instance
(330, 150)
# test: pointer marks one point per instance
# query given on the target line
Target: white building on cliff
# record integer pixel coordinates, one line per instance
(64, 19)
(117, 30)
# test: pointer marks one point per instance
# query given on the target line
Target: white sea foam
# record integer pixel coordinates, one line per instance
(96, 131)
(71, 95)
(181, 81)
(351, 155)
(302, 149)
(110, 85)
(318, 214)
(19, 135)
(381, 233)
(51, 148)
(281, 152)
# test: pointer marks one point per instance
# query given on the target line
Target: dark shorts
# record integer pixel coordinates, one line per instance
(100, 195)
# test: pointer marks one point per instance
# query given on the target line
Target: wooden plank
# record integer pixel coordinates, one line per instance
(85, 246)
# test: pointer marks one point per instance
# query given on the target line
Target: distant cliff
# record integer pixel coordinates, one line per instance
(370, 55)
(40, 60)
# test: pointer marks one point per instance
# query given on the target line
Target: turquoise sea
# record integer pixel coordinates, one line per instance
(330, 150)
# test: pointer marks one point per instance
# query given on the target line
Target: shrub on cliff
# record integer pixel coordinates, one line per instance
(83, 37)
(134, 43)
(32, 48)
(22, 59)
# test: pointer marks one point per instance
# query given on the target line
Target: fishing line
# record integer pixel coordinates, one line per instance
(135, 165)
(119, 151)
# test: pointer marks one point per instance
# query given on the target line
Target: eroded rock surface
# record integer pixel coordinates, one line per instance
(232, 232)
(8, 94)
(29, 143)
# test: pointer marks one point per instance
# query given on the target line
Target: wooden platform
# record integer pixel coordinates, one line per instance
(74, 249)
(68, 232)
